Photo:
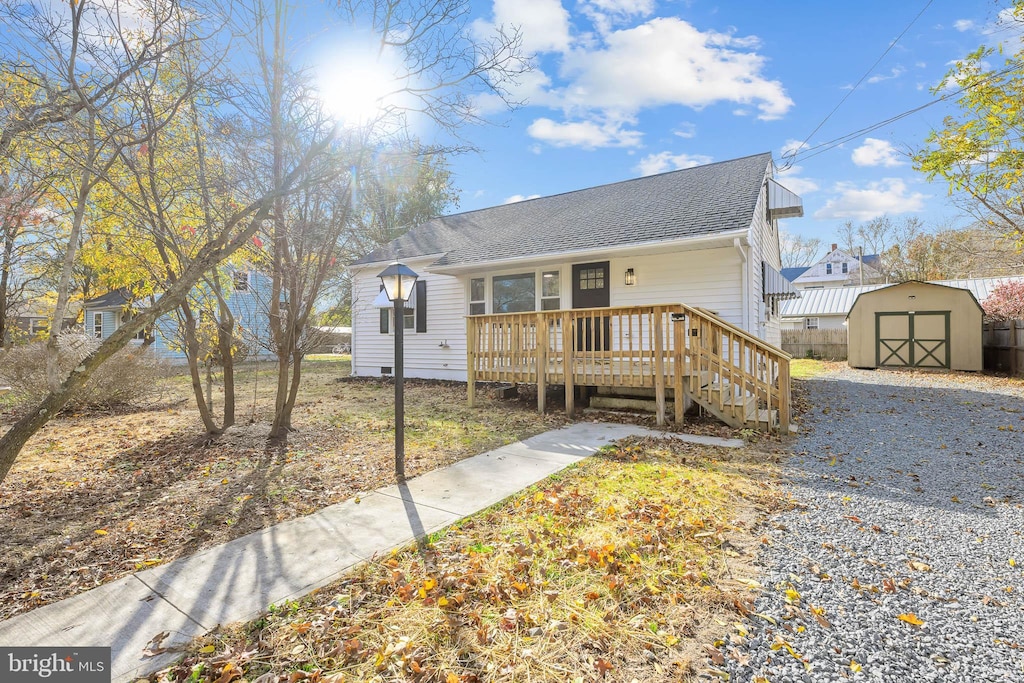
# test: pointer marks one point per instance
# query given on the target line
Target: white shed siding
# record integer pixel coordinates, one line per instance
(438, 353)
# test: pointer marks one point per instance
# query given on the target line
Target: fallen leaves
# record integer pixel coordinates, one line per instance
(601, 573)
(910, 618)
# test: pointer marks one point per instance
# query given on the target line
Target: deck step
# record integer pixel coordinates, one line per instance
(627, 403)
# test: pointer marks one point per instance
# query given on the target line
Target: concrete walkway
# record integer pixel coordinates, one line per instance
(238, 580)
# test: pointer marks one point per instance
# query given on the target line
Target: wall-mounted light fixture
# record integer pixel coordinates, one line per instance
(630, 277)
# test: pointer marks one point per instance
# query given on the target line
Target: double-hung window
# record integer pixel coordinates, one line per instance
(810, 323)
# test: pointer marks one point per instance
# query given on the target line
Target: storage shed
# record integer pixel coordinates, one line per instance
(916, 325)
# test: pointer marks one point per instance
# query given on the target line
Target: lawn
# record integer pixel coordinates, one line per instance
(631, 566)
(96, 496)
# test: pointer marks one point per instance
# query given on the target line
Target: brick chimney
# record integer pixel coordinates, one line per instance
(834, 246)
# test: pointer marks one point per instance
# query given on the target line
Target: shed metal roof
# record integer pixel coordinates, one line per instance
(839, 300)
(698, 201)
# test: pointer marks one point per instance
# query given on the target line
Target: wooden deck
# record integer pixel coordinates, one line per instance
(739, 378)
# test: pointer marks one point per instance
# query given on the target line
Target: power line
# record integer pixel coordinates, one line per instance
(804, 153)
(791, 157)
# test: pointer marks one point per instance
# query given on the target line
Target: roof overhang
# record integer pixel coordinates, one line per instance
(721, 239)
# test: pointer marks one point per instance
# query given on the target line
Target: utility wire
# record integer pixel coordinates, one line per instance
(804, 153)
(791, 156)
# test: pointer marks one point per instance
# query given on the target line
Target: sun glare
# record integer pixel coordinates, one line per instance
(356, 88)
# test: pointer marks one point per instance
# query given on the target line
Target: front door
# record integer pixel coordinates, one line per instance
(912, 339)
(590, 289)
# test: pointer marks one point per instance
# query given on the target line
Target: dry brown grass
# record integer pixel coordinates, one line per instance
(96, 496)
(623, 568)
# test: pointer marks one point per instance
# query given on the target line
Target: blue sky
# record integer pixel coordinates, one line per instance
(623, 88)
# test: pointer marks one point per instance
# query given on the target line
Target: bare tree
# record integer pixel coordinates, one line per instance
(797, 250)
(128, 77)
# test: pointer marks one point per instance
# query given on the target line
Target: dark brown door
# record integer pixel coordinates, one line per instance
(590, 289)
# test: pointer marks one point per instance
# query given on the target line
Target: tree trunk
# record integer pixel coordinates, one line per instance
(192, 356)
(5, 280)
(226, 347)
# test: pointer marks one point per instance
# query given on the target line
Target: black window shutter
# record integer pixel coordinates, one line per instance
(385, 315)
(421, 306)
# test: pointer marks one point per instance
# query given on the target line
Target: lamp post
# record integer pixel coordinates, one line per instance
(398, 280)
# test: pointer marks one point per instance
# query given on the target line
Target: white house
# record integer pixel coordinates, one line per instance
(838, 268)
(706, 236)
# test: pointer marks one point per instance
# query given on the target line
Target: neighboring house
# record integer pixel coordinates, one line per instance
(706, 236)
(825, 309)
(837, 268)
(31, 320)
(247, 299)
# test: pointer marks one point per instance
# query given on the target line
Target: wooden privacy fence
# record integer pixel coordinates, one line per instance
(1003, 345)
(737, 377)
(830, 344)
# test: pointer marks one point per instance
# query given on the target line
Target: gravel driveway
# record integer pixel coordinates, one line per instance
(903, 559)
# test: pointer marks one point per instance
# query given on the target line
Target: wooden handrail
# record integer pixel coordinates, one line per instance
(738, 377)
(737, 330)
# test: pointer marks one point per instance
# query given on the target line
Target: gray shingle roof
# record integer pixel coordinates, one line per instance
(703, 200)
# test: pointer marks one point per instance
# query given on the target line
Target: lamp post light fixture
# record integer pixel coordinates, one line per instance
(398, 280)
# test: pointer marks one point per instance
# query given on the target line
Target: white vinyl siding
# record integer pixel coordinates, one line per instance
(438, 353)
(708, 278)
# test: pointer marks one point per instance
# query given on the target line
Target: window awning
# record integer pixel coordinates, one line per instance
(775, 286)
(782, 203)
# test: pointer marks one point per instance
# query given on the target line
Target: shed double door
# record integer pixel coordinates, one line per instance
(912, 339)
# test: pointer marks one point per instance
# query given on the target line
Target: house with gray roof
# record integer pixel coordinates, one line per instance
(706, 236)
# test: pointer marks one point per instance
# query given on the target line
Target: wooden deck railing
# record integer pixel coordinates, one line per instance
(734, 375)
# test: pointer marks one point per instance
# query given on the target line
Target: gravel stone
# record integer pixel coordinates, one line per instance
(908, 492)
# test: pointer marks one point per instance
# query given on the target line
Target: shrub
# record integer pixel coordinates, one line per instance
(129, 377)
(1006, 301)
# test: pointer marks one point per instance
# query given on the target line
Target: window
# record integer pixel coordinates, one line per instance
(127, 317)
(828, 268)
(592, 278)
(40, 326)
(514, 293)
(810, 323)
(414, 313)
(846, 267)
(477, 296)
(97, 325)
(241, 280)
(550, 291)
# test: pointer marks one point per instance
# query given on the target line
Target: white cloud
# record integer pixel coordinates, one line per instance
(544, 24)
(895, 72)
(876, 152)
(605, 14)
(887, 196)
(685, 130)
(791, 180)
(586, 134)
(666, 161)
(790, 147)
(667, 61)
(519, 198)
(963, 25)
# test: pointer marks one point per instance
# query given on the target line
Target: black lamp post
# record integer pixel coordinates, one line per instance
(398, 280)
